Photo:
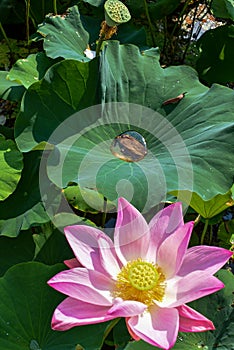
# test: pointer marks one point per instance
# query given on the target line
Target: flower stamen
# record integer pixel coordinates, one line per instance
(140, 281)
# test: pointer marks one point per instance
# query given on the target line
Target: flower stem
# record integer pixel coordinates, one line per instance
(104, 211)
(27, 20)
(109, 329)
(179, 22)
(99, 45)
(204, 231)
(55, 7)
(5, 37)
(150, 24)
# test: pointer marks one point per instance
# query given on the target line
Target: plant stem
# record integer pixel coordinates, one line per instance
(8, 43)
(104, 212)
(190, 34)
(211, 235)
(99, 45)
(165, 37)
(5, 37)
(204, 231)
(109, 329)
(150, 24)
(27, 20)
(55, 7)
(181, 14)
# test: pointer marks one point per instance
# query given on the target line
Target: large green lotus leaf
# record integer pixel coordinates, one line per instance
(10, 90)
(64, 36)
(11, 164)
(182, 138)
(27, 304)
(16, 250)
(23, 208)
(28, 70)
(207, 209)
(215, 63)
(223, 8)
(203, 118)
(67, 87)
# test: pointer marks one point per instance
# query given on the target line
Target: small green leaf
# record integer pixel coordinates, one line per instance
(64, 35)
(87, 200)
(28, 70)
(26, 208)
(67, 87)
(11, 164)
(10, 90)
(207, 209)
(63, 219)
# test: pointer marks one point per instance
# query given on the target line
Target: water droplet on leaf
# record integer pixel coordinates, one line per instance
(129, 146)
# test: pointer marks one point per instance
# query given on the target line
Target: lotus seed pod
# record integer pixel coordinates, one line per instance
(116, 13)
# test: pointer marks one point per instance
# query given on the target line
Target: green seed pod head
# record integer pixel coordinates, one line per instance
(116, 13)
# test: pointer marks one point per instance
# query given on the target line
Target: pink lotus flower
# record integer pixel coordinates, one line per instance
(146, 275)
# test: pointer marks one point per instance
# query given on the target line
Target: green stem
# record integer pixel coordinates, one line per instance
(150, 23)
(190, 34)
(109, 329)
(165, 36)
(6, 38)
(55, 7)
(204, 231)
(12, 56)
(181, 14)
(27, 20)
(104, 212)
(99, 46)
(211, 235)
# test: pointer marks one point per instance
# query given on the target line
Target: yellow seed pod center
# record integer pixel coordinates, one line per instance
(140, 281)
(143, 275)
